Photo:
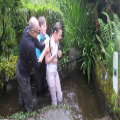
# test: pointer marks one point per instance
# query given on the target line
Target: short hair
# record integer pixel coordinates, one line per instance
(57, 27)
(41, 20)
(32, 23)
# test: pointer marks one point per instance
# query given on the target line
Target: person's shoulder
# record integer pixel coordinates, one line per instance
(47, 36)
(29, 44)
(26, 29)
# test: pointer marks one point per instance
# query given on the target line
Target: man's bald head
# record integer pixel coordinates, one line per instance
(33, 23)
(33, 27)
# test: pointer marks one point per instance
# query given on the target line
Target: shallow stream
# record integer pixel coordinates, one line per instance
(76, 93)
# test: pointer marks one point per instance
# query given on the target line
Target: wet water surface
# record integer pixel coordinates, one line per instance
(76, 93)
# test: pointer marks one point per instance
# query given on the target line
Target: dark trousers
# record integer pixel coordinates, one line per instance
(41, 82)
(25, 94)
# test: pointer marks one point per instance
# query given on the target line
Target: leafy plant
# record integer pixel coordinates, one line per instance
(108, 39)
(8, 66)
(89, 53)
(8, 41)
(6, 8)
(77, 22)
(19, 21)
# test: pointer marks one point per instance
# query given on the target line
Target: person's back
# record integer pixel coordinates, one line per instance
(25, 55)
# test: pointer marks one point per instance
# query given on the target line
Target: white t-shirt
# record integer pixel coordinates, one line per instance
(52, 67)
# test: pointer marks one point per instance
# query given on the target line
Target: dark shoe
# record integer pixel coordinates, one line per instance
(38, 94)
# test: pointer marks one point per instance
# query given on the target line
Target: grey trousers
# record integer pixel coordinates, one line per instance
(25, 94)
(54, 87)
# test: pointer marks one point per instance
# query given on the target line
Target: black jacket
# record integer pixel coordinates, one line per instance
(27, 56)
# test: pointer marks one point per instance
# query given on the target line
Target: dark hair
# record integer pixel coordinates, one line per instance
(57, 27)
(41, 20)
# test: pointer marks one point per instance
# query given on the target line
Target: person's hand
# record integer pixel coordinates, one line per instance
(55, 61)
(59, 53)
(46, 41)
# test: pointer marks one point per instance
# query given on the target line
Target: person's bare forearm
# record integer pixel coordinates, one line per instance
(49, 59)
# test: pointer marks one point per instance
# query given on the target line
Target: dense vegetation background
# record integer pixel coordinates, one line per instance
(92, 26)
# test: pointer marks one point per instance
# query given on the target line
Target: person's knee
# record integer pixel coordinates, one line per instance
(51, 84)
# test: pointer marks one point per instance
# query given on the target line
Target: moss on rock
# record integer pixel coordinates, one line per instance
(105, 90)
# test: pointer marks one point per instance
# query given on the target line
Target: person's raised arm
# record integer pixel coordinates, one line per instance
(37, 44)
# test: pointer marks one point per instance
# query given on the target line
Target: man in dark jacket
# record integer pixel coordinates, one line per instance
(27, 59)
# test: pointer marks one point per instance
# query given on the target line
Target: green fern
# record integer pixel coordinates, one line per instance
(109, 37)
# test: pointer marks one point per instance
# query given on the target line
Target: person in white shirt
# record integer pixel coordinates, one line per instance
(51, 60)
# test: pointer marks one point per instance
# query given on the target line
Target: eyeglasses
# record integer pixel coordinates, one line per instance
(44, 26)
(37, 32)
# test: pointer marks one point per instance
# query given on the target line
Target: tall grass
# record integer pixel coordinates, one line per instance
(77, 22)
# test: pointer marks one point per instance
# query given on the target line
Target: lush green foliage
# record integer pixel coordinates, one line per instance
(9, 65)
(89, 53)
(6, 31)
(79, 33)
(77, 22)
(19, 21)
(109, 39)
(8, 40)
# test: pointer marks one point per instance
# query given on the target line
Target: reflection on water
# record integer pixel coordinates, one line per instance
(76, 93)
(81, 97)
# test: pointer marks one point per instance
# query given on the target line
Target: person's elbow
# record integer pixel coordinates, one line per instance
(47, 61)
